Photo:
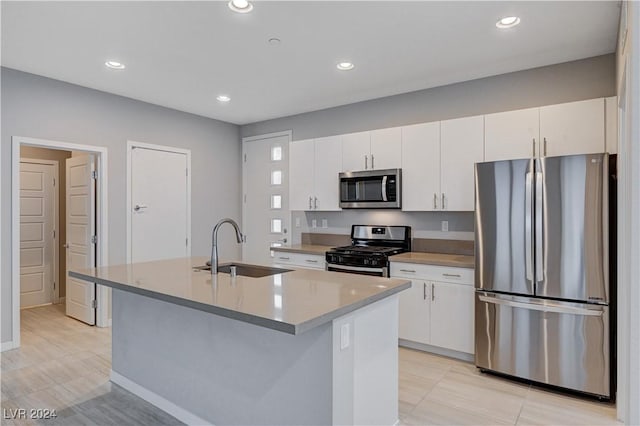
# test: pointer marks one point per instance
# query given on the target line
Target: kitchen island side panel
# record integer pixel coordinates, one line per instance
(221, 370)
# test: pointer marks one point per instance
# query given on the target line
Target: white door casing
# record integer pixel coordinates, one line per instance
(265, 208)
(38, 220)
(158, 203)
(81, 236)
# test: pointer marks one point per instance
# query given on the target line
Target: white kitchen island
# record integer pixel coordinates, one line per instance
(301, 347)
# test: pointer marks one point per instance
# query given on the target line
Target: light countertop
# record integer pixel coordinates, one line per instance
(292, 302)
(304, 249)
(440, 259)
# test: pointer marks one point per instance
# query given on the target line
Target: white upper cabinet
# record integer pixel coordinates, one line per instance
(611, 124)
(461, 146)
(356, 148)
(301, 165)
(386, 149)
(421, 167)
(328, 164)
(512, 134)
(313, 169)
(573, 128)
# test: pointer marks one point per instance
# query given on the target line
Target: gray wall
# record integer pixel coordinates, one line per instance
(43, 108)
(59, 156)
(571, 81)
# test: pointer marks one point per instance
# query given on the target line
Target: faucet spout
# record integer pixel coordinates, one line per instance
(214, 241)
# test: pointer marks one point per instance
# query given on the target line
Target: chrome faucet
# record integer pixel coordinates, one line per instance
(214, 242)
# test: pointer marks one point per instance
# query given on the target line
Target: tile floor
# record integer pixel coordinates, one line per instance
(64, 364)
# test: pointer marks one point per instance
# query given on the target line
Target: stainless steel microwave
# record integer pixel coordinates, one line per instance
(371, 189)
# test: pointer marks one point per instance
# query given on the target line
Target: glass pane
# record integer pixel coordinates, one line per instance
(276, 201)
(276, 177)
(276, 153)
(276, 225)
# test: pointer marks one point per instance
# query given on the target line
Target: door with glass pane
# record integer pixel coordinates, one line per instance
(265, 209)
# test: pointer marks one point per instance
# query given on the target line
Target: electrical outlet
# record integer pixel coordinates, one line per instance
(297, 222)
(314, 223)
(325, 223)
(345, 339)
(445, 226)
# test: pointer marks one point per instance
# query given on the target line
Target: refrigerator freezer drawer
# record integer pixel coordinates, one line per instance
(557, 343)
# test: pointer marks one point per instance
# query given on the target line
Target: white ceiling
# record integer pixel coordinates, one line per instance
(182, 54)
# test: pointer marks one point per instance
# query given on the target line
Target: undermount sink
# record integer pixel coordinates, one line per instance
(246, 270)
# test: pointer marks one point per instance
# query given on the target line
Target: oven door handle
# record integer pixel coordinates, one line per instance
(384, 188)
(354, 268)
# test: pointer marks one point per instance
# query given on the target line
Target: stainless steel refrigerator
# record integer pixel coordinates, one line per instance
(543, 254)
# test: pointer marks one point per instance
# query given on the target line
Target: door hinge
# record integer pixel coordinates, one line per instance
(94, 174)
(186, 242)
(186, 172)
(245, 158)
(94, 239)
(54, 234)
(245, 198)
(94, 304)
(54, 182)
(54, 285)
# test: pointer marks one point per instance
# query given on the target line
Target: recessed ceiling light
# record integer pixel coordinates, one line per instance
(508, 22)
(115, 65)
(345, 66)
(240, 6)
(223, 98)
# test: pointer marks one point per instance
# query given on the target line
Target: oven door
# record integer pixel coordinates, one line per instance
(370, 189)
(376, 272)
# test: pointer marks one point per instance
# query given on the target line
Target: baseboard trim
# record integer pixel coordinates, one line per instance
(7, 346)
(463, 356)
(157, 400)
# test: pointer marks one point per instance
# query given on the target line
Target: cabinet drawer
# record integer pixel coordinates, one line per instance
(432, 272)
(299, 259)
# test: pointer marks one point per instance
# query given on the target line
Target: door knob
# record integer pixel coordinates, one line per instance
(139, 207)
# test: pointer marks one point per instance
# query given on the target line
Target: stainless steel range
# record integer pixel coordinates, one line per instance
(370, 250)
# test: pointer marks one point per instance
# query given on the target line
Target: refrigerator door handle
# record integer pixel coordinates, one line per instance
(539, 228)
(542, 305)
(528, 244)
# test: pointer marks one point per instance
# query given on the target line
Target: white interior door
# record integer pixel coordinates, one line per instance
(266, 213)
(37, 225)
(160, 204)
(81, 236)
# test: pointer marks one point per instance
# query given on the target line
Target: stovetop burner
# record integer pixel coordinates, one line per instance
(370, 249)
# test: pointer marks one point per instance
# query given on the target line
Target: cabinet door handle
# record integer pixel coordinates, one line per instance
(435, 200)
(545, 147)
(443, 206)
(310, 206)
(424, 291)
(433, 292)
(283, 258)
(315, 202)
(372, 162)
(408, 270)
(311, 261)
(366, 162)
(533, 152)
(452, 275)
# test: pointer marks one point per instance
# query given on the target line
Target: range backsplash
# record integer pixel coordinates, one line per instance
(423, 224)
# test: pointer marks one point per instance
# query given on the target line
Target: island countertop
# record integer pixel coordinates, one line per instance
(291, 302)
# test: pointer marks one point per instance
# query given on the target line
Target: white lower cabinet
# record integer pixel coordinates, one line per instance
(438, 309)
(298, 260)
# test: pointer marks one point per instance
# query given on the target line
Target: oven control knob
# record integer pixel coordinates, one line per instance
(366, 261)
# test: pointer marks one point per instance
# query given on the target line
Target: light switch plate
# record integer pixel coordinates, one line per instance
(325, 223)
(314, 223)
(445, 226)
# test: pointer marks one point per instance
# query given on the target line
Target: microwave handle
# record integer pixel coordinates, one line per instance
(384, 188)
